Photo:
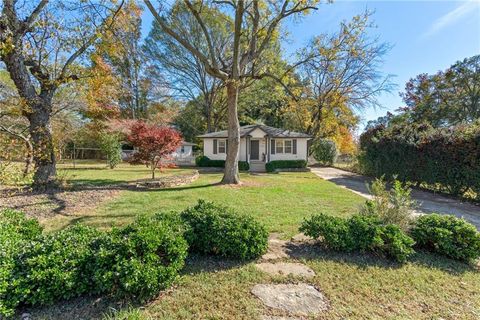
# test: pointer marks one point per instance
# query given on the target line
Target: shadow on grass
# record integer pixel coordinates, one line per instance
(315, 251)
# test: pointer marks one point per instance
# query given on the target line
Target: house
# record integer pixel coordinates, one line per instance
(183, 155)
(259, 144)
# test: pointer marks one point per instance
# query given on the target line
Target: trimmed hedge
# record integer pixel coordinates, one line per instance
(447, 235)
(140, 259)
(204, 161)
(136, 261)
(444, 158)
(285, 164)
(215, 229)
(359, 233)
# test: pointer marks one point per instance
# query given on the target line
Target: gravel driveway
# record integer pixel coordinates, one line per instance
(428, 202)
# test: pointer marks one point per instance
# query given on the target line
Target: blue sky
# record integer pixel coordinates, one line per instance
(427, 36)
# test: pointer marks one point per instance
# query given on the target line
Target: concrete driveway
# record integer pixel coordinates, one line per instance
(428, 202)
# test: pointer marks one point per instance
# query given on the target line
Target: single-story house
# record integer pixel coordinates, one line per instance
(259, 144)
(183, 155)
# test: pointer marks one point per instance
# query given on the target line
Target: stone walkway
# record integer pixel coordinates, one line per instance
(428, 202)
(293, 300)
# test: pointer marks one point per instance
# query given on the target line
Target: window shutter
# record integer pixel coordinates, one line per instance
(272, 146)
(214, 146)
(294, 146)
(226, 146)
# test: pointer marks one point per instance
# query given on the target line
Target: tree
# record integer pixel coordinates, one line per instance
(252, 26)
(111, 146)
(40, 46)
(182, 73)
(153, 144)
(446, 98)
(342, 74)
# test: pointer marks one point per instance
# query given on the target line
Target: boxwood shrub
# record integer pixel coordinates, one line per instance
(447, 235)
(204, 161)
(215, 229)
(140, 259)
(54, 267)
(285, 164)
(135, 261)
(359, 233)
(15, 232)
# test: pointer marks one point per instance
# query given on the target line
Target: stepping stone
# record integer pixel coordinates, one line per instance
(276, 250)
(297, 299)
(286, 268)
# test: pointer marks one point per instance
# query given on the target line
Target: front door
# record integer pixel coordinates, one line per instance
(254, 150)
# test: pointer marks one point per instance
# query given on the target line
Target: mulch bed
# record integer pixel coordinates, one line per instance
(53, 202)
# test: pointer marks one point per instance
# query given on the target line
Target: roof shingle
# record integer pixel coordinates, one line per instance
(269, 131)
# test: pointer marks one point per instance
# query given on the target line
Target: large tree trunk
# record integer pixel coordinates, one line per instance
(231, 175)
(43, 149)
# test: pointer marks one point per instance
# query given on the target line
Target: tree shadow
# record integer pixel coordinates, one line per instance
(315, 251)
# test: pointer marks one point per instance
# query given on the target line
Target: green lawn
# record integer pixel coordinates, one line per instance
(358, 286)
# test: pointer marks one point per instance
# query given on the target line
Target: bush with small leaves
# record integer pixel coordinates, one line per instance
(447, 235)
(16, 231)
(51, 267)
(139, 260)
(359, 233)
(214, 229)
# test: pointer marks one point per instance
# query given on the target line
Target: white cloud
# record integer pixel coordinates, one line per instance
(452, 16)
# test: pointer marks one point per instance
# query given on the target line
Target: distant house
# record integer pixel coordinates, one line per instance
(259, 144)
(182, 156)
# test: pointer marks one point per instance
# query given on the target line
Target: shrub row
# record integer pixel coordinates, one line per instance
(285, 164)
(441, 234)
(359, 233)
(204, 161)
(444, 157)
(135, 261)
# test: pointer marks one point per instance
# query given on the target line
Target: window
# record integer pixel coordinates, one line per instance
(221, 146)
(283, 146)
(288, 146)
(182, 150)
(279, 146)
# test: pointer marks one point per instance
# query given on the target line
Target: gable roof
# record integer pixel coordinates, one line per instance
(269, 131)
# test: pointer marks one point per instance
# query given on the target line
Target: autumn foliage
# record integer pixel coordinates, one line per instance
(153, 144)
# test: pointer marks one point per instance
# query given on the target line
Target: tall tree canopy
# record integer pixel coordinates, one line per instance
(251, 26)
(41, 45)
(446, 98)
(341, 75)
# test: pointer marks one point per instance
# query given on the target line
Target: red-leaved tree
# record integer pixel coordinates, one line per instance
(153, 144)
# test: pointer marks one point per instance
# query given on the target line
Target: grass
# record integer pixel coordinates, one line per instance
(358, 286)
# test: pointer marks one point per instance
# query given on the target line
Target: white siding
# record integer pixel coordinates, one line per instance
(301, 152)
(208, 149)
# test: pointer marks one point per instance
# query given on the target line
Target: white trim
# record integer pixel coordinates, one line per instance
(224, 142)
(281, 143)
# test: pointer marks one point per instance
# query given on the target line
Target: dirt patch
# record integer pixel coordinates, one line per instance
(296, 299)
(53, 202)
(286, 269)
